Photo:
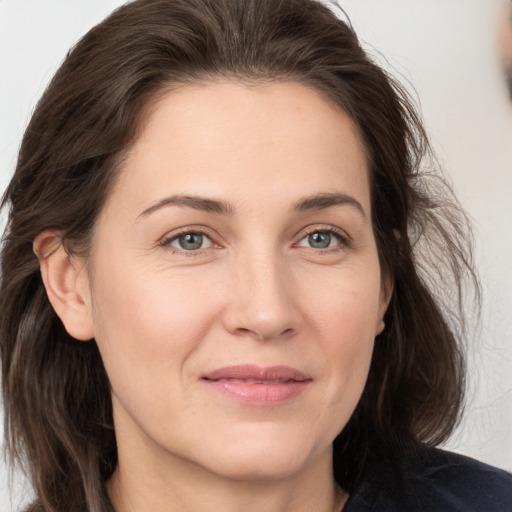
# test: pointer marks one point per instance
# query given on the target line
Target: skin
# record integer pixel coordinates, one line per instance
(257, 291)
(505, 41)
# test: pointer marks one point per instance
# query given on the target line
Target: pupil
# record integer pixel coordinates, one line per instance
(191, 241)
(320, 240)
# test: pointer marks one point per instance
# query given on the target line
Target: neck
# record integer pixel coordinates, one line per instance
(185, 487)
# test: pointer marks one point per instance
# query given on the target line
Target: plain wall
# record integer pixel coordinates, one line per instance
(446, 50)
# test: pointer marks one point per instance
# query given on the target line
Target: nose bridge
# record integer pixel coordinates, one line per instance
(262, 303)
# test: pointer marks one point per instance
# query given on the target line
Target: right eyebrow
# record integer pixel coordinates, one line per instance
(204, 204)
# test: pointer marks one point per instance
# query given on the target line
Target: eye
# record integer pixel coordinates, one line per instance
(321, 239)
(190, 241)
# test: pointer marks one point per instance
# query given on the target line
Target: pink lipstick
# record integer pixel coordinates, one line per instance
(256, 385)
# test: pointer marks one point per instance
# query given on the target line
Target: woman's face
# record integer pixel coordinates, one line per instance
(234, 285)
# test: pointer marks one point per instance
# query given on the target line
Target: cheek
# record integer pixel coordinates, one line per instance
(347, 305)
(149, 324)
(349, 351)
(346, 314)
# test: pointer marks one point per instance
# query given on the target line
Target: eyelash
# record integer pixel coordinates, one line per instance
(167, 241)
(343, 239)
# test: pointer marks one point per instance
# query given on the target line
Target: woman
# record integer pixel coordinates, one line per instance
(212, 294)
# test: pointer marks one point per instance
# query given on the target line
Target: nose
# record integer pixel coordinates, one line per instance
(263, 302)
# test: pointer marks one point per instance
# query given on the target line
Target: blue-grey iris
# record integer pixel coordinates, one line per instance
(190, 241)
(319, 240)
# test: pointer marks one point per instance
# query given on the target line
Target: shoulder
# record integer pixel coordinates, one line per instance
(432, 480)
(443, 479)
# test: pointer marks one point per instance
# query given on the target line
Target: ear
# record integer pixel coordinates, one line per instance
(67, 284)
(386, 292)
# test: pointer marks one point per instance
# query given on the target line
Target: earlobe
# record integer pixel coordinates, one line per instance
(67, 285)
(386, 294)
(380, 327)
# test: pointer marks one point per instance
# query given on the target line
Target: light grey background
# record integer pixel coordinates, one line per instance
(447, 50)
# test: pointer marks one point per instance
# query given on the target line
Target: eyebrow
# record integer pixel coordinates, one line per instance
(323, 201)
(196, 202)
(316, 202)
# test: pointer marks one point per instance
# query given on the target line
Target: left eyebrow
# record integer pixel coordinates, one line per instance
(326, 200)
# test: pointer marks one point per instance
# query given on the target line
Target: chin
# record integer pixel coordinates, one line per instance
(266, 457)
(278, 467)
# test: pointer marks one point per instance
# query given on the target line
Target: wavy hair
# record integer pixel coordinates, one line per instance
(58, 412)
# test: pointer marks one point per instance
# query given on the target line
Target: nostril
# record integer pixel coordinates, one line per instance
(243, 331)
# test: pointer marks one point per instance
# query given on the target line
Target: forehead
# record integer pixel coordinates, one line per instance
(281, 137)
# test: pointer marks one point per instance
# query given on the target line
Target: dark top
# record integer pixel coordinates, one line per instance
(431, 480)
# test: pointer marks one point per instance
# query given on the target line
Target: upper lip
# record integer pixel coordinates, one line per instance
(257, 373)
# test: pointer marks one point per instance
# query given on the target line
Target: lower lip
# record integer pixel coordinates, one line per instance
(258, 393)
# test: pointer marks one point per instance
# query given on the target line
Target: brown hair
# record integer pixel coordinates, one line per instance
(57, 402)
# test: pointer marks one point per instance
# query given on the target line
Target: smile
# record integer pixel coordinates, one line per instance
(258, 386)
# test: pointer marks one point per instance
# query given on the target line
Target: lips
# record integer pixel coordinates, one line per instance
(257, 385)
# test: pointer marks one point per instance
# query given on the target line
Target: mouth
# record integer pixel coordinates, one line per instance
(256, 385)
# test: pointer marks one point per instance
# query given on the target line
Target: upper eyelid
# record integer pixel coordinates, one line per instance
(214, 237)
(175, 233)
(166, 241)
(325, 229)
